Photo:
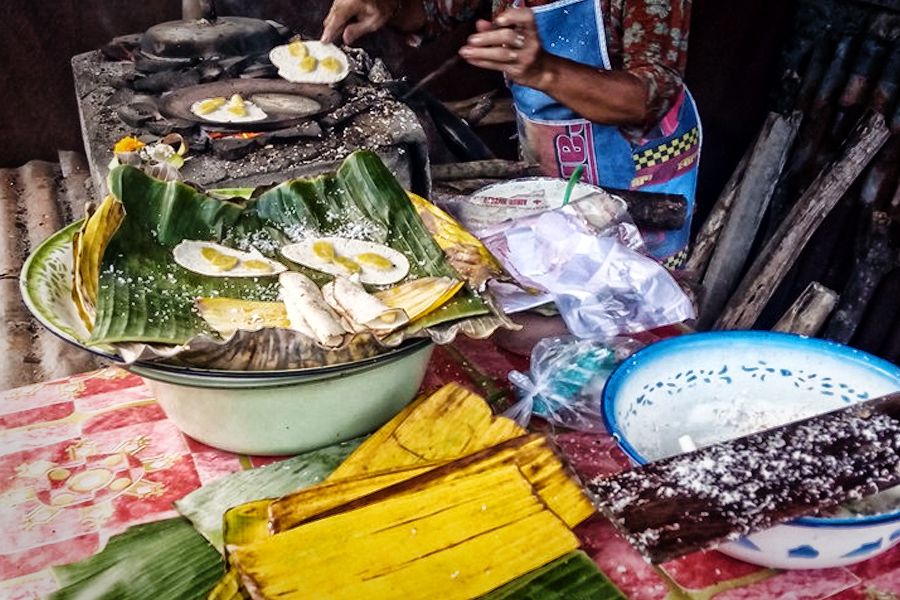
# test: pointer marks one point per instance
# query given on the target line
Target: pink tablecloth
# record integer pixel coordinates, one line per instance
(125, 464)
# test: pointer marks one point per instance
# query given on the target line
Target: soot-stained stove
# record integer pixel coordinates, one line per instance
(120, 92)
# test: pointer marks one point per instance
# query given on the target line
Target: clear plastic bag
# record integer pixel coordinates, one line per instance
(566, 380)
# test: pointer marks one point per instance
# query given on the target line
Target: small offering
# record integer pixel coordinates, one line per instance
(234, 110)
(721, 492)
(310, 62)
(216, 260)
(375, 264)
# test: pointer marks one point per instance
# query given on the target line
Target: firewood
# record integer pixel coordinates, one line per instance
(883, 309)
(705, 243)
(809, 312)
(780, 253)
(742, 222)
(875, 257)
(654, 210)
(482, 169)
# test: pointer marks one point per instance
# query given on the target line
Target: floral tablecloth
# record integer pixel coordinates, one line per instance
(84, 458)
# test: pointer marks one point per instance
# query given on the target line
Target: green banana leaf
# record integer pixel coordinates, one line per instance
(573, 576)
(165, 559)
(205, 506)
(144, 296)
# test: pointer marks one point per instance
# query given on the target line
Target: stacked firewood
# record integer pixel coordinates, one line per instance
(806, 234)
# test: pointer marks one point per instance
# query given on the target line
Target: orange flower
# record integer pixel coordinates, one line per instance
(128, 144)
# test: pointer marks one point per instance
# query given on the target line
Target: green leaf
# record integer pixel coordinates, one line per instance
(144, 296)
(166, 559)
(574, 576)
(205, 506)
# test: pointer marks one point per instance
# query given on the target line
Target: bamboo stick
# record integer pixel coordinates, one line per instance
(809, 312)
(782, 250)
(743, 220)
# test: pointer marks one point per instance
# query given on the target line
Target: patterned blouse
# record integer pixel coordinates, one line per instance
(648, 38)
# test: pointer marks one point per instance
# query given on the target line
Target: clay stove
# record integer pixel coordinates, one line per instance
(121, 87)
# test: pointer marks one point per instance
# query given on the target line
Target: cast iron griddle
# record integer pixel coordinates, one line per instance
(178, 103)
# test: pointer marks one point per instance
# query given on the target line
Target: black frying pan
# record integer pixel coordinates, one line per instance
(275, 97)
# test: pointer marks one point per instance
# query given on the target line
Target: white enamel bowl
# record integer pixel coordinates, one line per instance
(719, 386)
(250, 412)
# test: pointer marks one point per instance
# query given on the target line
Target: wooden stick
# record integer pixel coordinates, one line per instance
(708, 236)
(482, 169)
(743, 220)
(809, 312)
(875, 258)
(780, 253)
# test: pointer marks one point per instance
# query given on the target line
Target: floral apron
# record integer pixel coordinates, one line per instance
(560, 141)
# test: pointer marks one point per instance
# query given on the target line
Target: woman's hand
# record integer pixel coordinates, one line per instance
(351, 19)
(511, 45)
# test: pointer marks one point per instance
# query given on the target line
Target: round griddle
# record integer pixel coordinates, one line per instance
(277, 92)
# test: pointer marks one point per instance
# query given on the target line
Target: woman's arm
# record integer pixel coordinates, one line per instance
(511, 44)
(349, 20)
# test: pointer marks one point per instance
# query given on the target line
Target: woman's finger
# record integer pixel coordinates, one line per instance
(481, 25)
(339, 15)
(492, 54)
(516, 17)
(497, 37)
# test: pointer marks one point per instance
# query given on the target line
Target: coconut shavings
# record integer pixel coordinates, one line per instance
(721, 492)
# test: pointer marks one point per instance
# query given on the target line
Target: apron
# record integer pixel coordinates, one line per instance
(557, 139)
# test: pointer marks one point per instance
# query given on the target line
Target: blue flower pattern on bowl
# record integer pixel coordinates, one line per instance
(808, 381)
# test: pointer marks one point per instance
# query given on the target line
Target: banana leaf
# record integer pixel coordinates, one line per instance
(573, 576)
(144, 296)
(205, 506)
(165, 559)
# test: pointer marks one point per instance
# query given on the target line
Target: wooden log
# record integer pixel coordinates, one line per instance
(483, 169)
(706, 240)
(743, 220)
(882, 311)
(812, 137)
(43, 217)
(76, 184)
(863, 78)
(809, 312)
(875, 257)
(19, 366)
(782, 250)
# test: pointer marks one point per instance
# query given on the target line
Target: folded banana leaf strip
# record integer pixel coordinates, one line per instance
(144, 297)
(165, 559)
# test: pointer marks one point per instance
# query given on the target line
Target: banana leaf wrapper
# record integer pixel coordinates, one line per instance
(204, 507)
(144, 297)
(491, 528)
(165, 559)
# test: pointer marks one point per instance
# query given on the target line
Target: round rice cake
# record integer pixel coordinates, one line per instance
(310, 62)
(228, 110)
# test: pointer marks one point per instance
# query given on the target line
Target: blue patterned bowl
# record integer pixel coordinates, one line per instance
(719, 386)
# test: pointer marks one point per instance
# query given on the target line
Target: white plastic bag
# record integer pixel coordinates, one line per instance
(566, 380)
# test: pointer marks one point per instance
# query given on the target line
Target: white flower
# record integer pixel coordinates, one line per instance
(658, 8)
(158, 153)
(633, 34)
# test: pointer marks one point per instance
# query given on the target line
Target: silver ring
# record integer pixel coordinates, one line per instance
(519, 42)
